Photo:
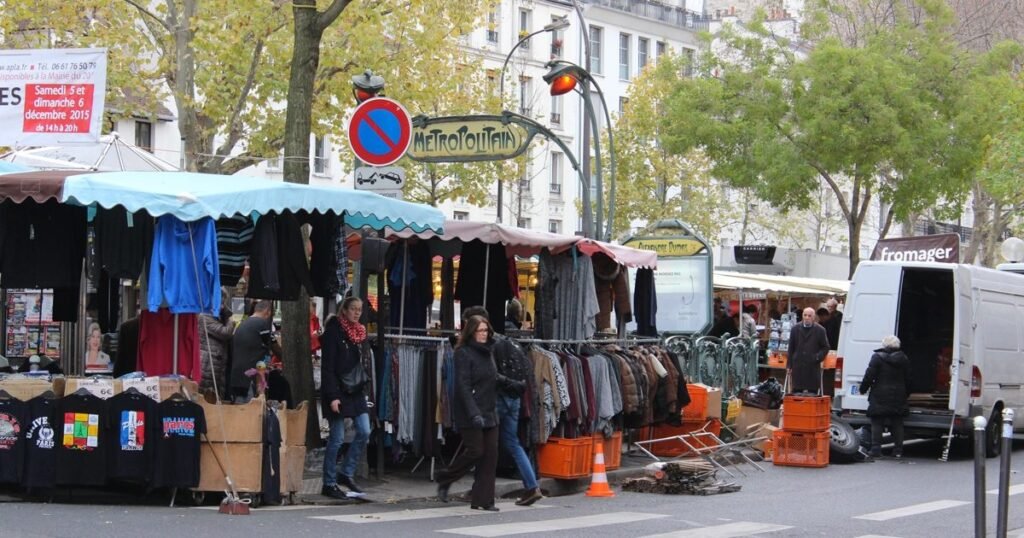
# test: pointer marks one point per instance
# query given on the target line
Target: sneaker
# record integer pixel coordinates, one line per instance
(349, 483)
(530, 497)
(332, 491)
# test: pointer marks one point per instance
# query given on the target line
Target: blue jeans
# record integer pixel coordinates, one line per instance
(508, 422)
(355, 450)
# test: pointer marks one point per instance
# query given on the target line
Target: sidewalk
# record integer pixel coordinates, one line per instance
(400, 486)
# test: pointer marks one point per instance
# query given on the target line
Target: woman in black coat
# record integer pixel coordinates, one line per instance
(341, 352)
(475, 415)
(888, 379)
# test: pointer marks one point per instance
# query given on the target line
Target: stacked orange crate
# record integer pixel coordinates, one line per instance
(804, 438)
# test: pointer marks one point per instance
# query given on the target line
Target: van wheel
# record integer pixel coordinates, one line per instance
(844, 444)
(993, 442)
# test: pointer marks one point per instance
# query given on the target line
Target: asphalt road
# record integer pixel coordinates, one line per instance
(916, 497)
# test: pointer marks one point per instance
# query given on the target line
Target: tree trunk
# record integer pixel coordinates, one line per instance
(298, 367)
(979, 205)
(184, 72)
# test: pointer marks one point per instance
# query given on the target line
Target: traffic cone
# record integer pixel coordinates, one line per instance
(599, 480)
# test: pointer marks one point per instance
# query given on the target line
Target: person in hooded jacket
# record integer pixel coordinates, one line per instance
(887, 384)
(476, 417)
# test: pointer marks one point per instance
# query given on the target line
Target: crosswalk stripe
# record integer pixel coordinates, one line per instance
(1014, 490)
(912, 510)
(425, 513)
(286, 508)
(876, 536)
(728, 530)
(570, 523)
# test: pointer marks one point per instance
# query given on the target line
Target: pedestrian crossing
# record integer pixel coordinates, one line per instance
(552, 525)
(736, 529)
(424, 513)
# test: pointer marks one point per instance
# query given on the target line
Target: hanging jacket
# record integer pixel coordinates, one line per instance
(888, 378)
(278, 263)
(183, 270)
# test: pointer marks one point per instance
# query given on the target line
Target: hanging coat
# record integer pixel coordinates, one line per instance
(807, 348)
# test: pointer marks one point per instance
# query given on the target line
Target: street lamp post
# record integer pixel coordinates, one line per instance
(553, 26)
(563, 77)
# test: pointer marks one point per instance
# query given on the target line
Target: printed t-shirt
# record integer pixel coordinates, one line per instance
(41, 440)
(181, 424)
(134, 430)
(82, 443)
(13, 419)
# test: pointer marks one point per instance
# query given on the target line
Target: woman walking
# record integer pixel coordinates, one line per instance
(475, 415)
(342, 389)
(888, 379)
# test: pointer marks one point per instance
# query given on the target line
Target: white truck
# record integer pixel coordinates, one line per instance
(962, 326)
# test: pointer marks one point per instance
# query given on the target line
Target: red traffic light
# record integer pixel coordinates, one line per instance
(363, 95)
(563, 84)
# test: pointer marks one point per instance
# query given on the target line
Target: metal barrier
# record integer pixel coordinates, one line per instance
(729, 363)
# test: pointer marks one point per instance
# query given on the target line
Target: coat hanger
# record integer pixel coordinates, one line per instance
(178, 397)
(82, 392)
(133, 391)
(4, 395)
(48, 395)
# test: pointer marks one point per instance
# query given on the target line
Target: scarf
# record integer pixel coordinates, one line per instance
(355, 331)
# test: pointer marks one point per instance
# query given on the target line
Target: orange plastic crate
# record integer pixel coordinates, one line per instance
(673, 448)
(830, 361)
(697, 410)
(800, 449)
(777, 359)
(612, 449)
(566, 458)
(806, 413)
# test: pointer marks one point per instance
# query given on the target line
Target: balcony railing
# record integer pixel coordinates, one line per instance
(651, 9)
(556, 118)
(555, 188)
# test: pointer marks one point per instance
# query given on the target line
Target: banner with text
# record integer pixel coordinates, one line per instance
(51, 96)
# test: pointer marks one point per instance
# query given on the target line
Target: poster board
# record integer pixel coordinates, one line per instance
(29, 327)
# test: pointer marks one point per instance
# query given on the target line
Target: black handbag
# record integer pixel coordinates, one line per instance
(354, 379)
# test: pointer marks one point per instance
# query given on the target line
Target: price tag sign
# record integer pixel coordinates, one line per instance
(100, 388)
(51, 96)
(150, 386)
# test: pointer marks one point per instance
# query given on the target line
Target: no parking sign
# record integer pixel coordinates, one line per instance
(380, 131)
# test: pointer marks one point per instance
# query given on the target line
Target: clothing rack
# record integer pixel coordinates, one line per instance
(435, 339)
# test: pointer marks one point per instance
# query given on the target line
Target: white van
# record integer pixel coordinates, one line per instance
(962, 326)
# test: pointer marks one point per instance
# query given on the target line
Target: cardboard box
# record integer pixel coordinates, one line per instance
(293, 424)
(766, 431)
(171, 384)
(101, 387)
(25, 388)
(751, 416)
(243, 461)
(293, 463)
(234, 423)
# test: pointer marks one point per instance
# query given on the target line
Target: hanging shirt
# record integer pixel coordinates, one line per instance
(278, 262)
(41, 440)
(156, 344)
(82, 443)
(123, 240)
(177, 462)
(133, 428)
(13, 423)
(183, 272)
(323, 263)
(234, 240)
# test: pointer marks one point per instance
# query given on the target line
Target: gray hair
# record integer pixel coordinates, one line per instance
(891, 342)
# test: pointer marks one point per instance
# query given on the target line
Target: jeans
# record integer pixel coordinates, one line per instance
(508, 422)
(355, 450)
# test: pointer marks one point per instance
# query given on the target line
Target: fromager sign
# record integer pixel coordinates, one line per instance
(926, 248)
(51, 96)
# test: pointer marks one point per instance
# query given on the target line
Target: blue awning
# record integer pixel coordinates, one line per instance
(191, 196)
(7, 168)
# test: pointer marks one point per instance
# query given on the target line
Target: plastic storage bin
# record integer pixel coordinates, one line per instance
(806, 413)
(697, 409)
(673, 448)
(566, 458)
(612, 449)
(800, 449)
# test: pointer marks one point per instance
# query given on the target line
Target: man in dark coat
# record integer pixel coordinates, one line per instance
(808, 346)
(888, 378)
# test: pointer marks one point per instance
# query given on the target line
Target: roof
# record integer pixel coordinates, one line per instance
(793, 285)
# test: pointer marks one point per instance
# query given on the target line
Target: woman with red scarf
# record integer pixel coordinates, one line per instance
(341, 346)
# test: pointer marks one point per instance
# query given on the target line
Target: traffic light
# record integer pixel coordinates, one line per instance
(563, 77)
(367, 86)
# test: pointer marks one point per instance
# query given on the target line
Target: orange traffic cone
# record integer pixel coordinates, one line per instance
(599, 480)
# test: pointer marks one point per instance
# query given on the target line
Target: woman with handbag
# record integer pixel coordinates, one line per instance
(476, 416)
(342, 395)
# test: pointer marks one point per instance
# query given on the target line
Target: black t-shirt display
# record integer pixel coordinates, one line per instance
(41, 442)
(133, 428)
(82, 447)
(181, 424)
(13, 419)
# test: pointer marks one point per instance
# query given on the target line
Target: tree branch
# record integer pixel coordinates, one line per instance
(149, 14)
(234, 129)
(888, 223)
(329, 15)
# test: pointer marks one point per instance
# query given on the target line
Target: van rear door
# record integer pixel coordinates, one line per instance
(870, 314)
(965, 322)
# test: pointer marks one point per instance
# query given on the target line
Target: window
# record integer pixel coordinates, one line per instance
(493, 20)
(524, 95)
(524, 27)
(623, 100)
(524, 182)
(460, 215)
(556, 109)
(144, 135)
(523, 222)
(555, 226)
(556, 40)
(275, 164)
(624, 56)
(643, 46)
(556, 173)
(595, 49)
(660, 49)
(320, 156)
